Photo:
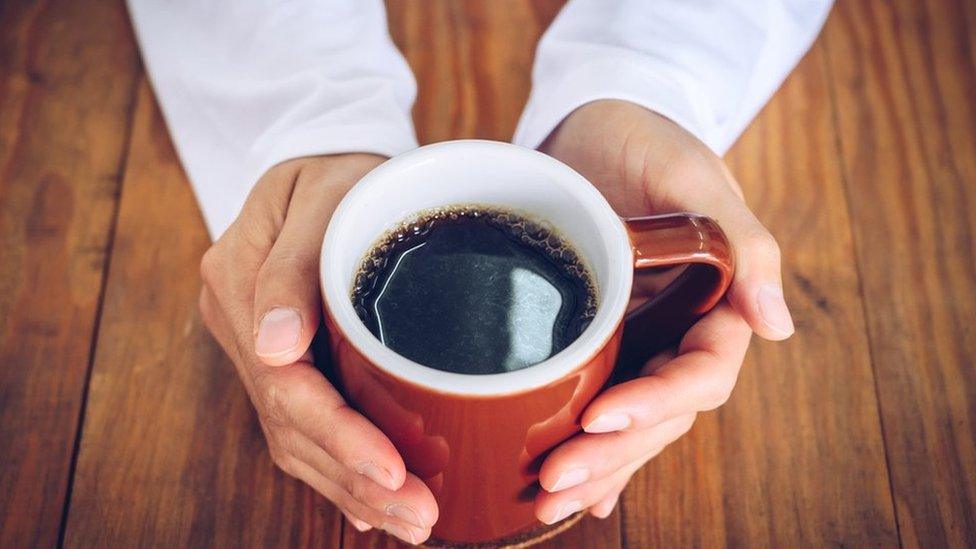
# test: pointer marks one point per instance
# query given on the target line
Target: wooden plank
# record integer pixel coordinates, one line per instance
(904, 77)
(172, 454)
(473, 62)
(796, 458)
(67, 82)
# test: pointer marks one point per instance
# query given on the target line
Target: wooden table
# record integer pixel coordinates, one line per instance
(122, 423)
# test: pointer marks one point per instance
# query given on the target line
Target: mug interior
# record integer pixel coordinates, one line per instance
(483, 173)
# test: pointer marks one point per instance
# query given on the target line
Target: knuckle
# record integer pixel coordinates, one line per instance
(206, 309)
(282, 394)
(301, 390)
(694, 163)
(271, 397)
(285, 262)
(270, 274)
(283, 461)
(357, 488)
(352, 484)
(353, 507)
(717, 395)
(689, 165)
(278, 459)
(764, 244)
(258, 232)
(210, 264)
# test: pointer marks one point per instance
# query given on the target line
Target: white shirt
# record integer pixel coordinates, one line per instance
(246, 85)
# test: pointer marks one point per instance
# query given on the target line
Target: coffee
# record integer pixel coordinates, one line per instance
(474, 290)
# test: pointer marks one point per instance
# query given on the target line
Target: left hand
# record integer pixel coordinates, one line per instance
(261, 302)
(645, 164)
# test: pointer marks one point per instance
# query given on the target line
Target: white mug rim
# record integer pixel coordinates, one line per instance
(610, 311)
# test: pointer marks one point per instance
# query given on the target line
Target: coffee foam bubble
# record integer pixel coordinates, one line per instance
(538, 235)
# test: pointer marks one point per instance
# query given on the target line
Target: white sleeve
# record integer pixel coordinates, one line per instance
(246, 85)
(708, 65)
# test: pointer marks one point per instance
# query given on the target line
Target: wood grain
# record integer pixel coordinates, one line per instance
(67, 75)
(796, 458)
(171, 453)
(472, 60)
(861, 430)
(904, 77)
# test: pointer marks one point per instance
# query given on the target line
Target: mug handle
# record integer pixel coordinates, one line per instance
(665, 241)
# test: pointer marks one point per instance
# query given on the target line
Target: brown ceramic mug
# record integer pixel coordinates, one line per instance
(478, 440)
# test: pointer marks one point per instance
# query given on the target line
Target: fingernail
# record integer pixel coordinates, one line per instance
(772, 307)
(607, 423)
(376, 473)
(279, 332)
(405, 512)
(565, 510)
(571, 478)
(360, 525)
(403, 533)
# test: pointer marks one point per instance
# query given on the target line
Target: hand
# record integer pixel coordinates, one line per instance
(261, 301)
(645, 164)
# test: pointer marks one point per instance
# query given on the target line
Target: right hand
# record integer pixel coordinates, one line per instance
(261, 302)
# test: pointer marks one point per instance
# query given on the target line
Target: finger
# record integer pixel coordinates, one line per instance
(427, 454)
(297, 395)
(589, 457)
(286, 295)
(386, 468)
(551, 508)
(756, 291)
(334, 493)
(603, 508)
(216, 322)
(356, 522)
(230, 266)
(700, 378)
(412, 502)
(757, 287)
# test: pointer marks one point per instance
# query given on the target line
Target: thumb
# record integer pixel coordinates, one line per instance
(287, 301)
(286, 298)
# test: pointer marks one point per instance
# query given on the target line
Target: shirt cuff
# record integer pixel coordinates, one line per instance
(382, 139)
(552, 100)
(223, 197)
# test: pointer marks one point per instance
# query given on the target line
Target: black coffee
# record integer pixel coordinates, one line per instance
(474, 290)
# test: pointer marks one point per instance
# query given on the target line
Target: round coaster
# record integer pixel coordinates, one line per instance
(518, 541)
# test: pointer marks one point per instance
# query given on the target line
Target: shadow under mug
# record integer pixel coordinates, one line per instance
(478, 440)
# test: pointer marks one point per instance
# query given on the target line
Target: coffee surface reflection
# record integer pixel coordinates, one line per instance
(474, 290)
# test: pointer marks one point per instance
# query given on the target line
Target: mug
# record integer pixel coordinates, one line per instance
(478, 440)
